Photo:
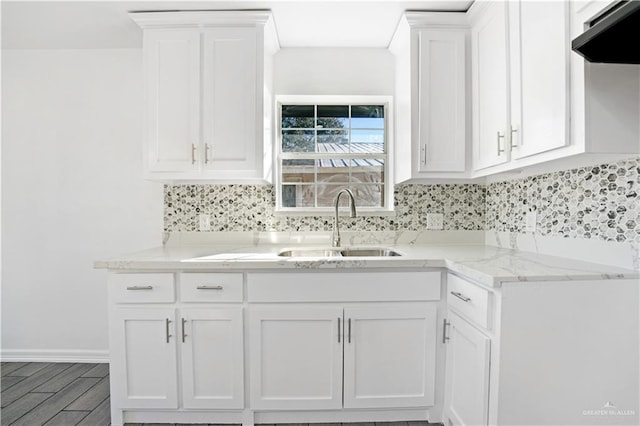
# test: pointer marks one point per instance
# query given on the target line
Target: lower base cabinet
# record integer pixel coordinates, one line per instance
(144, 358)
(155, 348)
(542, 353)
(333, 357)
(467, 373)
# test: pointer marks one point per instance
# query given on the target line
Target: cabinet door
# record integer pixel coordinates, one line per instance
(539, 76)
(442, 94)
(143, 357)
(172, 63)
(467, 374)
(230, 102)
(490, 83)
(296, 358)
(212, 358)
(389, 356)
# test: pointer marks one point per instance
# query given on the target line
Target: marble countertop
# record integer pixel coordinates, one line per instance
(488, 265)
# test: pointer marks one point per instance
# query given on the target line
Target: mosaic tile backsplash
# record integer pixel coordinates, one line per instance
(251, 208)
(590, 202)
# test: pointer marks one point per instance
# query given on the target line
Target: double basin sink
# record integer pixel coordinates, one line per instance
(340, 252)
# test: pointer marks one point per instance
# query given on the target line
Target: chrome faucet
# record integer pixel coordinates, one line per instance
(336, 226)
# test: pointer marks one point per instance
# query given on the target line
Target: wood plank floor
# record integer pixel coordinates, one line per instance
(66, 394)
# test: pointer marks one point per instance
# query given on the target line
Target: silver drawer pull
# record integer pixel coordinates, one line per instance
(167, 323)
(461, 297)
(140, 287)
(209, 287)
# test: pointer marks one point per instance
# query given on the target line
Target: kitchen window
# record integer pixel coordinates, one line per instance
(329, 143)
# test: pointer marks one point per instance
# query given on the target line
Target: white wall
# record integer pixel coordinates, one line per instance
(72, 192)
(334, 71)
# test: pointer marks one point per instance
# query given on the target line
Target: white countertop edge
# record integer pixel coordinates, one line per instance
(487, 265)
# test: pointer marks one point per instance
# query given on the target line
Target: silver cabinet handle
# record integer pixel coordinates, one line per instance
(444, 331)
(140, 287)
(500, 150)
(193, 154)
(339, 330)
(209, 287)
(167, 322)
(424, 154)
(349, 323)
(184, 321)
(513, 130)
(461, 296)
(206, 153)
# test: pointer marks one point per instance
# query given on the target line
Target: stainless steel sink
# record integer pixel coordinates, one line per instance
(310, 253)
(340, 252)
(370, 252)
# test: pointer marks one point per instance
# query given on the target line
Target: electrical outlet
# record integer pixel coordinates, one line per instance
(205, 222)
(531, 221)
(435, 221)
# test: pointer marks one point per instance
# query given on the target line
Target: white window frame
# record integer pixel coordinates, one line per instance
(386, 101)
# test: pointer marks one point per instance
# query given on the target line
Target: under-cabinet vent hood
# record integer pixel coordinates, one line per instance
(613, 36)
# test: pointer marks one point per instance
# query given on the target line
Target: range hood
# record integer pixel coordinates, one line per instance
(613, 36)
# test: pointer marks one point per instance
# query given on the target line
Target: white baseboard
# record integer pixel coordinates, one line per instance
(43, 355)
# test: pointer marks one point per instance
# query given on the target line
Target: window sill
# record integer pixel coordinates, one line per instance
(330, 212)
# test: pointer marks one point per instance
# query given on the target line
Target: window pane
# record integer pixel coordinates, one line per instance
(334, 170)
(298, 141)
(367, 116)
(369, 170)
(367, 136)
(368, 195)
(302, 171)
(298, 195)
(333, 117)
(327, 194)
(300, 116)
(333, 141)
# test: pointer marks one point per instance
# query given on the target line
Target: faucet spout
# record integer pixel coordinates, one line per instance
(336, 225)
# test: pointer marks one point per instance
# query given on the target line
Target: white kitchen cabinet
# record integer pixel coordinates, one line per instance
(389, 356)
(536, 101)
(520, 80)
(539, 76)
(518, 354)
(208, 86)
(467, 373)
(143, 358)
(490, 84)
(296, 361)
(145, 346)
(431, 95)
(171, 353)
(212, 358)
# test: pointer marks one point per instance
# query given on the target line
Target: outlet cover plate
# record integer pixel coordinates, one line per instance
(531, 222)
(205, 222)
(435, 221)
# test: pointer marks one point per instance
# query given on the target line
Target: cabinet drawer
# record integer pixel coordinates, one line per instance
(470, 300)
(142, 288)
(343, 286)
(210, 287)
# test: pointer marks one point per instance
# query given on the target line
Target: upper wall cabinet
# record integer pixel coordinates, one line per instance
(534, 100)
(431, 96)
(209, 110)
(520, 79)
(490, 85)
